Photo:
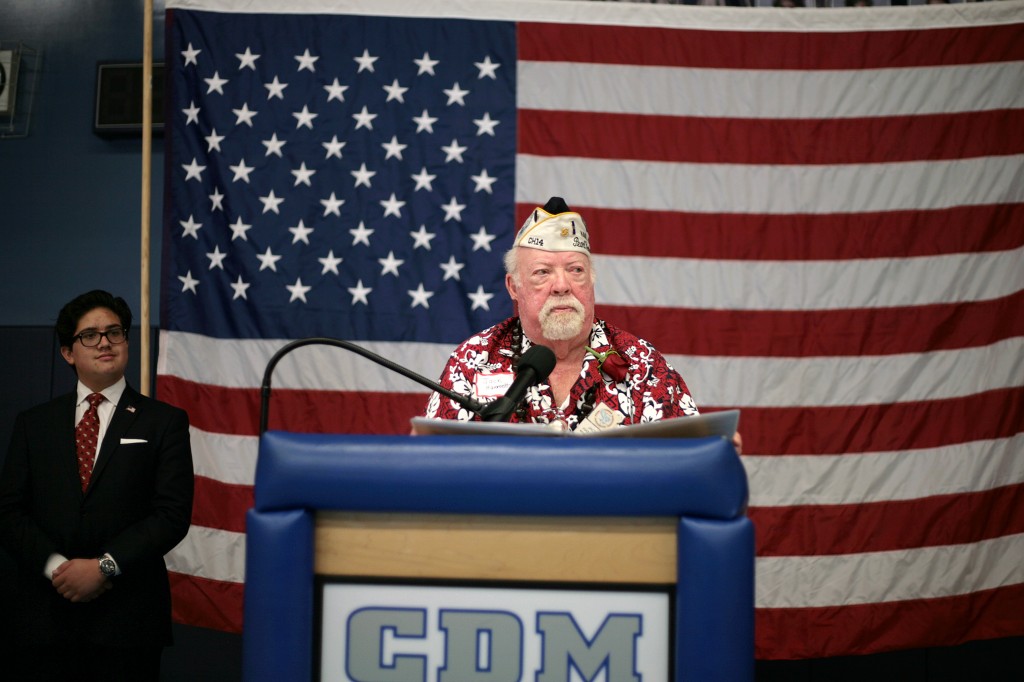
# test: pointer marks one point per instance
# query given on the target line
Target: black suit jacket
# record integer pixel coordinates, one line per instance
(137, 507)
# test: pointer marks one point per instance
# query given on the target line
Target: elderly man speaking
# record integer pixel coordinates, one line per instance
(603, 376)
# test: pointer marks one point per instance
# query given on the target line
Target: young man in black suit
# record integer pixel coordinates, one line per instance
(96, 488)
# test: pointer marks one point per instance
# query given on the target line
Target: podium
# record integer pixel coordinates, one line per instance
(594, 515)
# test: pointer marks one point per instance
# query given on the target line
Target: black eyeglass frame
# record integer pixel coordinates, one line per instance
(100, 335)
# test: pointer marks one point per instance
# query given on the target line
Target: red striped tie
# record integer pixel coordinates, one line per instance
(85, 439)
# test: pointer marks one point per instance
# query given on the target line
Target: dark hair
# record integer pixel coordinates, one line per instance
(74, 310)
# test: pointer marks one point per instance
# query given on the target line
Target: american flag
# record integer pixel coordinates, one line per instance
(818, 216)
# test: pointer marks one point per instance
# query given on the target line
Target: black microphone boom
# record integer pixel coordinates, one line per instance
(466, 402)
(534, 366)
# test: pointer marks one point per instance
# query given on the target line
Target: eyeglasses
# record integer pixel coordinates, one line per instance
(91, 338)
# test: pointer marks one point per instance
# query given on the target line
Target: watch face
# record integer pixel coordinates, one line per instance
(107, 567)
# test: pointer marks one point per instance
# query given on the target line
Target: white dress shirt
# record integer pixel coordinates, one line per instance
(105, 411)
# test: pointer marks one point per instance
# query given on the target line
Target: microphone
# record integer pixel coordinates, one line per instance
(534, 366)
(465, 401)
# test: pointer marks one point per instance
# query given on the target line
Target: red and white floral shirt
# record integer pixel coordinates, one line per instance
(644, 388)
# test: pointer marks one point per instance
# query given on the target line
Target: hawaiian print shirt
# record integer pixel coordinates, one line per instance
(651, 390)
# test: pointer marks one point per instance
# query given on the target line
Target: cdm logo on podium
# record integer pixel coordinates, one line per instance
(413, 633)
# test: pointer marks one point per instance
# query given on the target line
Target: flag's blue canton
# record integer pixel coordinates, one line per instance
(351, 177)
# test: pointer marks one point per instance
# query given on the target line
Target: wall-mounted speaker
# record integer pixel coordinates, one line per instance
(8, 80)
(119, 98)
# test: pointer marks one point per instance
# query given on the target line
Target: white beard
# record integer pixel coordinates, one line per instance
(563, 325)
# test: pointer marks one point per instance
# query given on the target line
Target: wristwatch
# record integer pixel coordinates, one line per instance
(107, 567)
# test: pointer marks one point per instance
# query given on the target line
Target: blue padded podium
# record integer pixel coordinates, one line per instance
(699, 482)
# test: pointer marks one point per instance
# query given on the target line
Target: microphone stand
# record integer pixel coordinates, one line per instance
(466, 402)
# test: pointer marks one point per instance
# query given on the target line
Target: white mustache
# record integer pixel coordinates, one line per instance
(560, 301)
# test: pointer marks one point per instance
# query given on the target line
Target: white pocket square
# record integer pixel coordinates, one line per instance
(129, 441)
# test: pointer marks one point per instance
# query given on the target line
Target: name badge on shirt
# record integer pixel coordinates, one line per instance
(490, 386)
(603, 417)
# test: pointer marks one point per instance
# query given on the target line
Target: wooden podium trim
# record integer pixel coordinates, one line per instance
(577, 549)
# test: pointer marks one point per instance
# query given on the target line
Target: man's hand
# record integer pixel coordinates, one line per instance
(80, 580)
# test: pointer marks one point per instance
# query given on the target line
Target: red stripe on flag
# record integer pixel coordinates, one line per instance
(767, 430)
(834, 236)
(798, 333)
(214, 604)
(222, 409)
(221, 505)
(803, 50)
(677, 139)
(808, 530)
(880, 428)
(871, 628)
(236, 410)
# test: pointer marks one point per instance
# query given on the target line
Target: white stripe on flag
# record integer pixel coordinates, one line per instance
(224, 457)
(794, 480)
(945, 571)
(240, 363)
(704, 187)
(733, 93)
(808, 285)
(775, 480)
(210, 553)
(859, 380)
(784, 382)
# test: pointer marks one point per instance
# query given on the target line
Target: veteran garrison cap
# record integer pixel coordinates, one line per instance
(554, 227)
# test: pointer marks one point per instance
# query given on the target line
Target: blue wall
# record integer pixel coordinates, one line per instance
(70, 201)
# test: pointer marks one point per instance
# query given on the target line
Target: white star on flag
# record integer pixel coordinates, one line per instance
(241, 171)
(482, 239)
(336, 91)
(275, 88)
(392, 206)
(480, 298)
(188, 283)
(453, 210)
(422, 238)
(191, 113)
(332, 205)
(365, 62)
(302, 175)
(216, 258)
(300, 233)
(238, 230)
(298, 290)
(193, 171)
(330, 263)
(213, 140)
(390, 264)
(359, 293)
(425, 64)
(420, 296)
(274, 145)
(361, 234)
(244, 115)
(191, 227)
(272, 202)
(452, 268)
(487, 68)
(456, 95)
(268, 260)
(190, 55)
(362, 175)
(239, 287)
(247, 60)
(395, 91)
(306, 61)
